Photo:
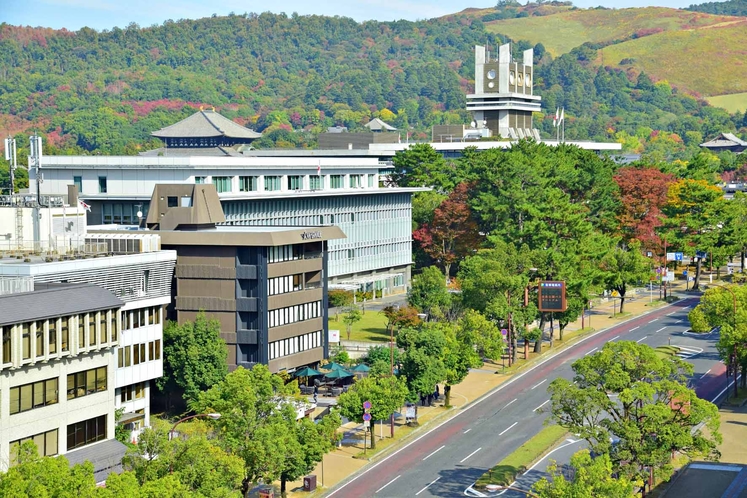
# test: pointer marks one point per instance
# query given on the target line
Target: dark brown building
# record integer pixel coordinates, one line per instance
(266, 285)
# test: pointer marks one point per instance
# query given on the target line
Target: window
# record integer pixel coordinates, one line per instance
(199, 180)
(356, 181)
(315, 182)
(123, 319)
(247, 183)
(78, 182)
(86, 432)
(36, 395)
(172, 201)
(46, 443)
(293, 345)
(39, 339)
(87, 382)
(222, 183)
(146, 282)
(120, 357)
(158, 349)
(292, 314)
(102, 185)
(155, 314)
(65, 332)
(102, 328)
(134, 391)
(336, 181)
(52, 336)
(113, 324)
(81, 331)
(92, 329)
(272, 183)
(138, 354)
(7, 347)
(295, 182)
(370, 181)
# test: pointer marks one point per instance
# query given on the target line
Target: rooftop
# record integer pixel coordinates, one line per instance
(206, 124)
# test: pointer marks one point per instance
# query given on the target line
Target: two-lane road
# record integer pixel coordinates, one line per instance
(450, 457)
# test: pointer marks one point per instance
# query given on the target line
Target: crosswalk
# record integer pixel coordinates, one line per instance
(687, 352)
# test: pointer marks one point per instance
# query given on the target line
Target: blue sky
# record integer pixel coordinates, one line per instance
(105, 14)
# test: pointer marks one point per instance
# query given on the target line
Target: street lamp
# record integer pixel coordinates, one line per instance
(212, 416)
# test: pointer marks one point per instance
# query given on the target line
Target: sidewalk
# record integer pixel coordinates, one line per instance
(347, 460)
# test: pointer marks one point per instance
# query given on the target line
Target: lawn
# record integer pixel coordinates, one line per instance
(371, 328)
(736, 102)
(517, 462)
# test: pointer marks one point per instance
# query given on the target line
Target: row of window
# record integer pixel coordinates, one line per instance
(35, 395)
(278, 254)
(293, 314)
(293, 182)
(93, 329)
(86, 382)
(134, 391)
(86, 432)
(141, 318)
(123, 212)
(78, 182)
(297, 344)
(282, 285)
(46, 443)
(128, 356)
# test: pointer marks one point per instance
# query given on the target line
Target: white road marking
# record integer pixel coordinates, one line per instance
(510, 402)
(587, 354)
(634, 328)
(688, 352)
(467, 431)
(463, 459)
(540, 406)
(616, 337)
(654, 320)
(709, 371)
(387, 484)
(672, 313)
(541, 382)
(639, 340)
(725, 389)
(429, 485)
(442, 447)
(508, 429)
(659, 330)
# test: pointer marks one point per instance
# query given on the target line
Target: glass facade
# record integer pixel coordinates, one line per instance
(295, 182)
(222, 183)
(315, 182)
(336, 181)
(247, 183)
(272, 183)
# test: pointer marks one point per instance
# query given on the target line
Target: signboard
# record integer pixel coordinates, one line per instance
(701, 254)
(670, 256)
(311, 235)
(334, 335)
(678, 256)
(366, 423)
(552, 296)
(669, 277)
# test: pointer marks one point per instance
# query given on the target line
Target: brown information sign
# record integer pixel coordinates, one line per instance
(552, 296)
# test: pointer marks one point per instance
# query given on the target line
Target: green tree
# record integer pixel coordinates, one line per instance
(735, 226)
(629, 393)
(386, 394)
(351, 316)
(422, 166)
(402, 316)
(459, 356)
(429, 293)
(423, 363)
(482, 334)
(592, 477)
(194, 356)
(625, 266)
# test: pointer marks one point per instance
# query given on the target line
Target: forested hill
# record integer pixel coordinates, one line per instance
(292, 76)
(728, 8)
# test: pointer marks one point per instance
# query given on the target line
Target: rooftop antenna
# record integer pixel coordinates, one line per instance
(10, 156)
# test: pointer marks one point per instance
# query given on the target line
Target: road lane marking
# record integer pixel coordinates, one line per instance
(463, 459)
(467, 431)
(367, 469)
(634, 328)
(709, 371)
(442, 447)
(639, 340)
(587, 354)
(506, 430)
(654, 320)
(387, 484)
(672, 313)
(725, 389)
(510, 403)
(616, 337)
(429, 485)
(540, 406)
(659, 330)
(541, 382)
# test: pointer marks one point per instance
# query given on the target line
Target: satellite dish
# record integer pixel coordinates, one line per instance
(474, 125)
(139, 214)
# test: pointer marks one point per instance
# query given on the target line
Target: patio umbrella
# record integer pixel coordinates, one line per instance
(362, 367)
(338, 374)
(307, 372)
(333, 366)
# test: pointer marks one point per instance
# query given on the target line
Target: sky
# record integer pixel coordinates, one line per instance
(106, 14)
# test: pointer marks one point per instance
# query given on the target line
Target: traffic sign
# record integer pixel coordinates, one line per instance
(366, 405)
(684, 273)
(678, 256)
(551, 296)
(366, 417)
(366, 423)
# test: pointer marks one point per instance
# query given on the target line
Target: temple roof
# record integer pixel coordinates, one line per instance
(725, 140)
(206, 124)
(378, 125)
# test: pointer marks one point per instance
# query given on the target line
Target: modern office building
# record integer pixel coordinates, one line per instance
(266, 285)
(57, 372)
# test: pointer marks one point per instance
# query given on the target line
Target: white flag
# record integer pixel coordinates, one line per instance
(555, 118)
(319, 168)
(562, 116)
(84, 205)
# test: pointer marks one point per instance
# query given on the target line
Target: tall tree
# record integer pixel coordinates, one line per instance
(459, 356)
(643, 193)
(386, 394)
(429, 294)
(351, 316)
(482, 334)
(623, 267)
(314, 441)
(194, 356)
(423, 363)
(735, 226)
(591, 477)
(421, 165)
(453, 233)
(628, 393)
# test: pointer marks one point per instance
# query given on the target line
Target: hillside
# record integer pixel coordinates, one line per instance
(730, 7)
(292, 77)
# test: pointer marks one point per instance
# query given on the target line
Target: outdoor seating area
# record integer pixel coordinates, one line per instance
(331, 379)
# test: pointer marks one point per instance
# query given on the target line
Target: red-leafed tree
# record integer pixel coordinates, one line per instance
(643, 192)
(453, 233)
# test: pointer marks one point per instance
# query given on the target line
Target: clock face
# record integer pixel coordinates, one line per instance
(512, 77)
(527, 80)
(491, 74)
(491, 84)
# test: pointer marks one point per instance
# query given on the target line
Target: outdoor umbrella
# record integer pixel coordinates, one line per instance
(338, 374)
(362, 367)
(307, 372)
(333, 366)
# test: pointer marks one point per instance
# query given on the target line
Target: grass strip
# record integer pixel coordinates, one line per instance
(505, 472)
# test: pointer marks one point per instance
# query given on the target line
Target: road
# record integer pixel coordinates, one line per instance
(447, 459)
